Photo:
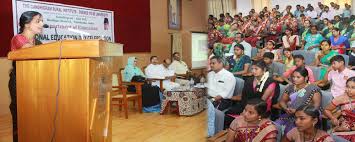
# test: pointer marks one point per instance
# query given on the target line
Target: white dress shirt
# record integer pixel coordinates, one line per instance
(160, 72)
(329, 15)
(312, 14)
(179, 67)
(221, 84)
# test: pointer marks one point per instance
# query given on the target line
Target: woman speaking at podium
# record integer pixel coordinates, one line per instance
(31, 24)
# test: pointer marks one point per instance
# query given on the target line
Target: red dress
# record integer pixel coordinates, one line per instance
(18, 41)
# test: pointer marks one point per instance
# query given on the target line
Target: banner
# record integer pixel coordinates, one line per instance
(67, 21)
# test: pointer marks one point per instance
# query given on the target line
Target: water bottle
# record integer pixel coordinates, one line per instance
(192, 82)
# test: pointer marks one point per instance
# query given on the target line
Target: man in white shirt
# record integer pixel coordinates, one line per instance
(157, 71)
(178, 65)
(311, 13)
(239, 39)
(221, 84)
(327, 14)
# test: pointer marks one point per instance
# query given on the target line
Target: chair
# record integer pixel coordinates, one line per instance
(346, 58)
(254, 51)
(239, 85)
(308, 55)
(120, 93)
(281, 67)
(316, 72)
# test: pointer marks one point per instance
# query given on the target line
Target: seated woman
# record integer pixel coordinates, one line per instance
(345, 125)
(131, 70)
(312, 40)
(290, 40)
(323, 57)
(253, 124)
(287, 58)
(325, 29)
(307, 127)
(339, 42)
(295, 95)
(239, 63)
(150, 101)
(269, 47)
(260, 85)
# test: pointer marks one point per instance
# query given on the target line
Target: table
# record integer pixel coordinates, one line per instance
(189, 102)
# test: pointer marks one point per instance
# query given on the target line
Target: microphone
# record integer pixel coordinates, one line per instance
(45, 26)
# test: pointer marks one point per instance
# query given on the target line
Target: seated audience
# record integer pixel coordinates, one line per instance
(272, 68)
(339, 42)
(307, 126)
(287, 58)
(323, 57)
(178, 65)
(220, 84)
(253, 124)
(290, 40)
(345, 124)
(239, 63)
(260, 85)
(239, 39)
(299, 62)
(295, 95)
(269, 47)
(312, 40)
(338, 74)
(158, 71)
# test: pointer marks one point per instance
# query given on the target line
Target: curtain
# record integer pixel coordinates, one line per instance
(176, 43)
(216, 7)
(260, 4)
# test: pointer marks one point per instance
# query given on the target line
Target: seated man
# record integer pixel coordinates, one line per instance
(268, 58)
(337, 74)
(158, 71)
(178, 65)
(239, 39)
(299, 62)
(220, 84)
(220, 87)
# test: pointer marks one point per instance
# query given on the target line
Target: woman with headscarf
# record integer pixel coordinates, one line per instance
(132, 70)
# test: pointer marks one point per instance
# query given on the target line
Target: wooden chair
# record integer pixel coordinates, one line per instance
(122, 96)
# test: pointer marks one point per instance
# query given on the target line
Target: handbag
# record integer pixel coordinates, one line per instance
(138, 78)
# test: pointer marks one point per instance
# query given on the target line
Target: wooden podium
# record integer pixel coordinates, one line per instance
(83, 113)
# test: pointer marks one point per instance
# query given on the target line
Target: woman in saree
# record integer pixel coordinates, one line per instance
(305, 29)
(323, 57)
(255, 31)
(345, 125)
(274, 30)
(312, 40)
(238, 63)
(287, 59)
(307, 126)
(295, 95)
(261, 86)
(325, 29)
(339, 42)
(290, 40)
(253, 124)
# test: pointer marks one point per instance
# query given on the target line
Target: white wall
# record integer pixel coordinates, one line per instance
(353, 7)
(293, 3)
(244, 6)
